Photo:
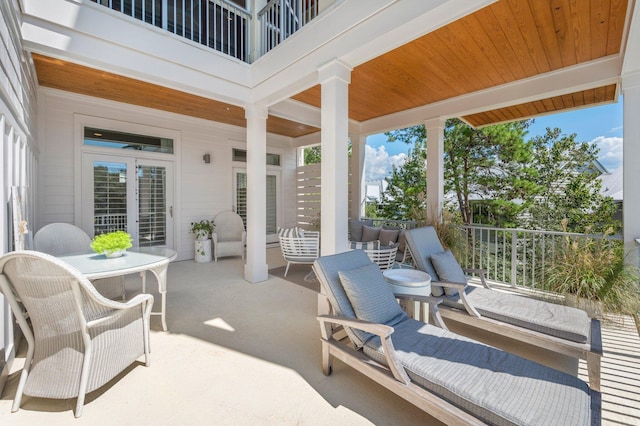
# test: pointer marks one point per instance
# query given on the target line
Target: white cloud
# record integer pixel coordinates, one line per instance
(610, 154)
(378, 162)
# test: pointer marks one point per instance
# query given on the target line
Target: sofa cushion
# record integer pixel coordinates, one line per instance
(355, 228)
(369, 245)
(289, 232)
(388, 236)
(371, 296)
(448, 270)
(370, 233)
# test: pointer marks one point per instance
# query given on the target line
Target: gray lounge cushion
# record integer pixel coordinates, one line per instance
(544, 317)
(448, 270)
(493, 385)
(370, 295)
(424, 242)
(327, 270)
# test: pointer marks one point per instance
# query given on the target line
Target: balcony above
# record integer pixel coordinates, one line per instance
(224, 25)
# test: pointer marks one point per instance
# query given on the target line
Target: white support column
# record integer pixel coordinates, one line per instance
(335, 78)
(256, 269)
(357, 176)
(435, 168)
(631, 171)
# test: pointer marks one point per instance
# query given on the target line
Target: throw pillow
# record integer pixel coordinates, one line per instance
(288, 232)
(449, 270)
(355, 230)
(370, 295)
(369, 245)
(402, 241)
(370, 234)
(388, 236)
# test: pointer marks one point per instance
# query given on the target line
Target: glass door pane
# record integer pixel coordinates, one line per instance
(128, 194)
(109, 197)
(240, 198)
(152, 206)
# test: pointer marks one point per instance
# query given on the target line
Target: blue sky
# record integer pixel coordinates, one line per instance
(602, 125)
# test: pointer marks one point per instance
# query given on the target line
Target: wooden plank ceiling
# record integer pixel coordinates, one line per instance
(75, 78)
(505, 42)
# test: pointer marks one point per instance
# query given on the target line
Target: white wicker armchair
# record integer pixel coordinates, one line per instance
(59, 239)
(301, 250)
(384, 258)
(77, 339)
(229, 238)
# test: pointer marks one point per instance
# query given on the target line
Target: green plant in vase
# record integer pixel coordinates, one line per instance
(112, 243)
(202, 229)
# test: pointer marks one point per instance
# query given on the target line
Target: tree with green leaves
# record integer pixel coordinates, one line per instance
(405, 196)
(480, 164)
(545, 177)
(569, 188)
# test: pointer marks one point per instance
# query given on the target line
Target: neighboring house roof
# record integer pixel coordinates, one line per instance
(612, 184)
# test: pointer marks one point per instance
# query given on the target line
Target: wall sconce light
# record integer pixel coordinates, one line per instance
(207, 158)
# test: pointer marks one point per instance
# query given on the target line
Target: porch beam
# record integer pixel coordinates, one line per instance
(335, 77)
(631, 173)
(435, 169)
(256, 269)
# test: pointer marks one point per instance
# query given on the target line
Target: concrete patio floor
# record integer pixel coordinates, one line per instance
(238, 353)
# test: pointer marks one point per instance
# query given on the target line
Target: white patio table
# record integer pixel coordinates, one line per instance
(137, 259)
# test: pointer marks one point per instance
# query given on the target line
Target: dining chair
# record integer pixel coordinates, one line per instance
(60, 239)
(77, 340)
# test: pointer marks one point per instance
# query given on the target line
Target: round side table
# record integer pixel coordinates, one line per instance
(411, 282)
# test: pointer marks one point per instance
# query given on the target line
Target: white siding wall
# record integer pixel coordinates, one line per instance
(202, 190)
(18, 153)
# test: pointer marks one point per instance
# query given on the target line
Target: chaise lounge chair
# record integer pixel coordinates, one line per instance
(554, 327)
(453, 378)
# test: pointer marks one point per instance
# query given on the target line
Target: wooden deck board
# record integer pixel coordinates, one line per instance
(620, 373)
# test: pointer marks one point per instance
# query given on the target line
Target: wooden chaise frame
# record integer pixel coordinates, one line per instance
(394, 378)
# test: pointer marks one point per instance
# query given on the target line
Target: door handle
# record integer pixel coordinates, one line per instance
(171, 211)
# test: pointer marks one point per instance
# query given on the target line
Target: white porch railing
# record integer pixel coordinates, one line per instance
(218, 24)
(103, 223)
(221, 24)
(516, 257)
(279, 19)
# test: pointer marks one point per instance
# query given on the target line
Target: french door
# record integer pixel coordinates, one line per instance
(129, 194)
(273, 200)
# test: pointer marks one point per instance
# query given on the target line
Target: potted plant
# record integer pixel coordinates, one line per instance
(111, 244)
(202, 231)
(592, 275)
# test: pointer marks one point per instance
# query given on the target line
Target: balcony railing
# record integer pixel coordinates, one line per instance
(218, 24)
(516, 257)
(279, 19)
(221, 24)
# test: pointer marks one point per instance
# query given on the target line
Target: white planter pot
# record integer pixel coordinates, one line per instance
(202, 251)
